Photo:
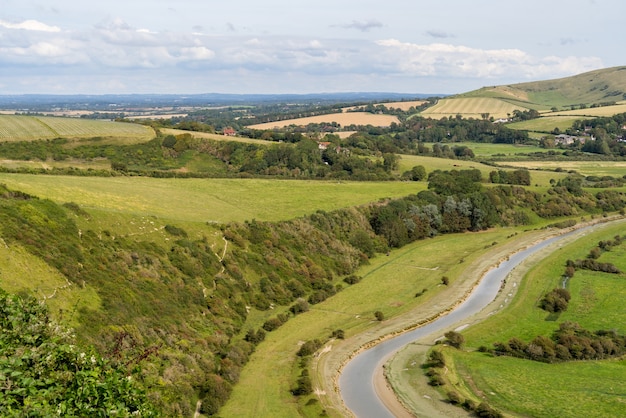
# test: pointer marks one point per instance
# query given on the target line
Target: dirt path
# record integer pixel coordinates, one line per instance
(328, 366)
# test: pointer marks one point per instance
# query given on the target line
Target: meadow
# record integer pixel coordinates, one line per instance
(207, 200)
(215, 137)
(586, 168)
(545, 123)
(27, 128)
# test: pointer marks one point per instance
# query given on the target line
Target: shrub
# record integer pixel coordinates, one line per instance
(379, 316)
(454, 339)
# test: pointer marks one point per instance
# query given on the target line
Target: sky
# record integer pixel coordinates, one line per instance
(321, 46)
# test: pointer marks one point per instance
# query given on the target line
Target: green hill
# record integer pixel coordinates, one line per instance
(594, 87)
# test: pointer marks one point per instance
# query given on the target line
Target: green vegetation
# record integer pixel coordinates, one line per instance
(43, 372)
(210, 262)
(532, 388)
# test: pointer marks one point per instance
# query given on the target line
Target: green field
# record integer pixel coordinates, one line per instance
(586, 168)
(207, 200)
(27, 128)
(545, 123)
(543, 390)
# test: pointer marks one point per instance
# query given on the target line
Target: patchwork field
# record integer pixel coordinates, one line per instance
(26, 128)
(471, 107)
(343, 119)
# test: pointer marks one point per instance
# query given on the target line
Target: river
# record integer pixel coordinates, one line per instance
(356, 381)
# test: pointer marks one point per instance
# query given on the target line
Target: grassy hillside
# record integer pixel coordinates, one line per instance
(591, 88)
(600, 86)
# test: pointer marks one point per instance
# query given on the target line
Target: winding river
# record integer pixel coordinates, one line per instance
(356, 381)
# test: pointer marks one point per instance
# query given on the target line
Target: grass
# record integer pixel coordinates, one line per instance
(535, 389)
(389, 284)
(586, 168)
(20, 272)
(580, 389)
(207, 200)
(27, 128)
(545, 123)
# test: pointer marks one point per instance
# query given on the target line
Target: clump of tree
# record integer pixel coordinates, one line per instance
(519, 177)
(569, 342)
(555, 301)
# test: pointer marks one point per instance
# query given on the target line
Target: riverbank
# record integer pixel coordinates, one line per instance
(329, 364)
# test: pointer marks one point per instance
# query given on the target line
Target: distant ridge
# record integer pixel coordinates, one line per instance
(110, 101)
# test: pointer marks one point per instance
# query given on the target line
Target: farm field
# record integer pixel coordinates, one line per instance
(471, 107)
(343, 119)
(485, 150)
(215, 137)
(207, 200)
(545, 123)
(594, 111)
(27, 128)
(586, 168)
(404, 106)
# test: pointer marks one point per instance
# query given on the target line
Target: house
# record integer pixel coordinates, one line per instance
(229, 132)
(323, 145)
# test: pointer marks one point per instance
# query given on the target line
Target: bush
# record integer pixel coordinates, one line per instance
(379, 316)
(454, 339)
(309, 348)
(555, 300)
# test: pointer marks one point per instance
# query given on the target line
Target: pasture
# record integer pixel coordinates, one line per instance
(586, 168)
(207, 200)
(343, 119)
(545, 123)
(29, 128)
(471, 107)
(536, 389)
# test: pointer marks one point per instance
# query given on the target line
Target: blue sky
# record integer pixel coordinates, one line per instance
(276, 46)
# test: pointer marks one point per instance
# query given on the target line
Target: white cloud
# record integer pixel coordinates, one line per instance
(439, 59)
(31, 25)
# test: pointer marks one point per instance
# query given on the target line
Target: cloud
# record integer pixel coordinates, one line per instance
(441, 60)
(30, 25)
(365, 26)
(439, 34)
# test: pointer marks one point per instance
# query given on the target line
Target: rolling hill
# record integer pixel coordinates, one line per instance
(599, 87)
